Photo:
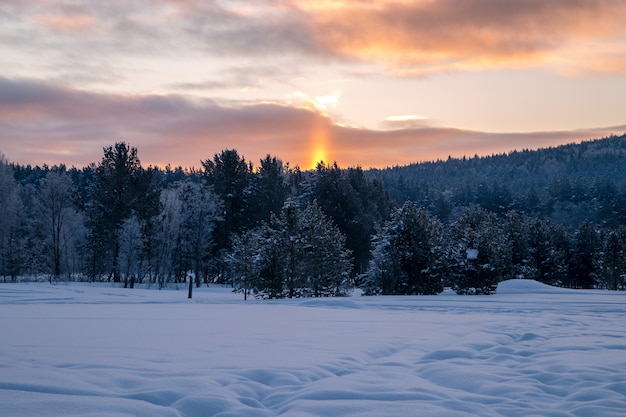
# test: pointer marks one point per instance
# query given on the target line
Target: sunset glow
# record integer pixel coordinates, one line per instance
(376, 83)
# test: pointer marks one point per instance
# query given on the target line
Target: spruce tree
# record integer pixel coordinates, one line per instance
(582, 267)
(269, 281)
(244, 260)
(327, 264)
(611, 264)
(405, 255)
(547, 250)
(481, 253)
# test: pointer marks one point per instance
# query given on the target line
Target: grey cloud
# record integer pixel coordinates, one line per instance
(238, 77)
(431, 36)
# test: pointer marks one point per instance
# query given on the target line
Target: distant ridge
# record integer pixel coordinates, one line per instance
(573, 178)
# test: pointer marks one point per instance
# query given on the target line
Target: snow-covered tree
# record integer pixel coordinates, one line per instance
(269, 280)
(131, 243)
(243, 261)
(405, 254)
(300, 253)
(167, 235)
(327, 263)
(481, 252)
(200, 210)
(288, 229)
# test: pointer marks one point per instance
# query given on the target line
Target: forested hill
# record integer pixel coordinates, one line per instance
(556, 215)
(567, 184)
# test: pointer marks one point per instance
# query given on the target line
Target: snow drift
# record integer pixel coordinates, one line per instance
(92, 350)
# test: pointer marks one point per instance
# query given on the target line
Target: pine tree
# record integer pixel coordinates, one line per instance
(268, 189)
(229, 174)
(355, 204)
(147, 210)
(122, 188)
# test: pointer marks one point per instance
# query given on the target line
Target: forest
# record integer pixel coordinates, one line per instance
(556, 215)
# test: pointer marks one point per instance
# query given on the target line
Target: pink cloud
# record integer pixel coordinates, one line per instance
(63, 23)
(41, 123)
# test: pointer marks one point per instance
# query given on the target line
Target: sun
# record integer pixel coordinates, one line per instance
(319, 155)
(318, 145)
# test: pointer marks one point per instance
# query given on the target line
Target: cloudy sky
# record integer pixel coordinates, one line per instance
(373, 83)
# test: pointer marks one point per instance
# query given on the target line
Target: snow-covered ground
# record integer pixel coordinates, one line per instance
(94, 350)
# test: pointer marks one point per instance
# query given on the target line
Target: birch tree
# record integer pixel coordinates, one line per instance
(61, 222)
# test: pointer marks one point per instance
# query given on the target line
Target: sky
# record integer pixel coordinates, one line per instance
(359, 82)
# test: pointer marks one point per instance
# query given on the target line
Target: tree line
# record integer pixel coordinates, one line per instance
(274, 231)
(118, 221)
(414, 252)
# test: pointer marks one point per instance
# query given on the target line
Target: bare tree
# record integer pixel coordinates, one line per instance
(167, 233)
(131, 245)
(10, 208)
(61, 223)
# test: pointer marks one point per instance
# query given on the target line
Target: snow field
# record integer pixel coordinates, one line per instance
(93, 350)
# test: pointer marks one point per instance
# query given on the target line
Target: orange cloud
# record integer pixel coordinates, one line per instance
(422, 37)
